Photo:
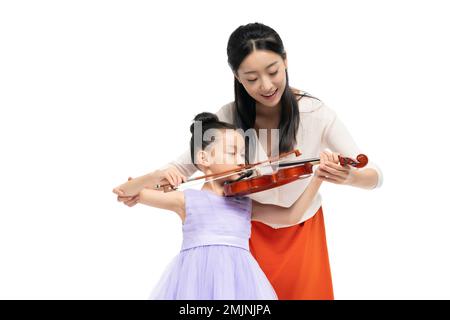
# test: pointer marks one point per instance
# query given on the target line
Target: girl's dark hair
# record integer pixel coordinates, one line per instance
(208, 121)
(243, 41)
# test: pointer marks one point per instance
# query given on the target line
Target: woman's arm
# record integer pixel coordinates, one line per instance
(367, 178)
(273, 214)
(337, 138)
(173, 201)
(363, 178)
(330, 170)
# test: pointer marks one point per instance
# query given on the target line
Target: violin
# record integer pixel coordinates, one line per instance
(287, 172)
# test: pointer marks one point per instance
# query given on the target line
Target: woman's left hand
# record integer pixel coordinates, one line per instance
(331, 170)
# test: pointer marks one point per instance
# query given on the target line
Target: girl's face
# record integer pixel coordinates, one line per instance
(227, 152)
(263, 75)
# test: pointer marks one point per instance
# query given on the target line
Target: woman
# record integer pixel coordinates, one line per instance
(293, 257)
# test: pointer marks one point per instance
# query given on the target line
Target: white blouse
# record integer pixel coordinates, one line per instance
(319, 129)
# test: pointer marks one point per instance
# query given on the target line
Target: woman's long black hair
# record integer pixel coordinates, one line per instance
(243, 41)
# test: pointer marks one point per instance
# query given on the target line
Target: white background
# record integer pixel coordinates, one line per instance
(92, 92)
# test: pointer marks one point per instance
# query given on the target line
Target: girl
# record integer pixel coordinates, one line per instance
(215, 261)
(294, 256)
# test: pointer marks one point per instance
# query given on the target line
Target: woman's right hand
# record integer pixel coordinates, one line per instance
(171, 175)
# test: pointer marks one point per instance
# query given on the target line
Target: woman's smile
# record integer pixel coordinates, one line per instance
(270, 96)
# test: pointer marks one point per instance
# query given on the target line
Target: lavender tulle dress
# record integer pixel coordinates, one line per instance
(215, 262)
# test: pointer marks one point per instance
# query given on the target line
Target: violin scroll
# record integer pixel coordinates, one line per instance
(360, 162)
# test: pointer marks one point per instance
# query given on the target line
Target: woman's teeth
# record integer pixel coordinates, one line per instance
(270, 95)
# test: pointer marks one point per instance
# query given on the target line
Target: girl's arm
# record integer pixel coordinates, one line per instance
(134, 186)
(273, 214)
(173, 201)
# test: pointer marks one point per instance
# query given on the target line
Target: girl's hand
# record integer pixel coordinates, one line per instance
(331, 170)
(129, 195)
(127, 200)
(129, 189)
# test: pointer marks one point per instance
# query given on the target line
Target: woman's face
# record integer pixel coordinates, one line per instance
(263, 75)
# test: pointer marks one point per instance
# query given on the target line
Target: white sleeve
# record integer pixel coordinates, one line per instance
(337, 138)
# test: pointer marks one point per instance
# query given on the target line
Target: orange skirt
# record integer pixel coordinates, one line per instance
(295, 259)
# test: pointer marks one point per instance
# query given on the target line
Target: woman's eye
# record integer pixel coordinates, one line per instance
(273, 73)
(251, 80)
